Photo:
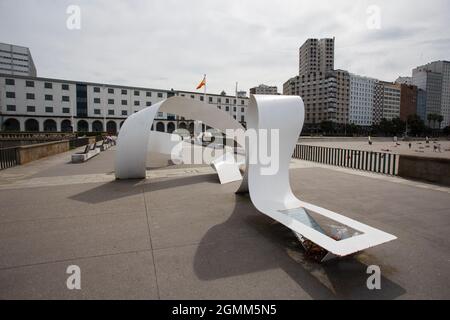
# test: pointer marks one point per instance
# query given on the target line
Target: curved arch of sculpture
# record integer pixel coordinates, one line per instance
(134, 135)
(272, 194)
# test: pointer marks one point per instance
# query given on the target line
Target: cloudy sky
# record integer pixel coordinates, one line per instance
(172, 43)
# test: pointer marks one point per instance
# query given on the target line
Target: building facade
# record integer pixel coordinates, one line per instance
(386, 101)
(408, 101)
(316, 55)
(434, 79)
(362, 97)
(264, 89)
(43, 104)
(16, 60)
(325, 91)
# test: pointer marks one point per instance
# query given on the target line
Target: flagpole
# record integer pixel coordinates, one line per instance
(204, 92)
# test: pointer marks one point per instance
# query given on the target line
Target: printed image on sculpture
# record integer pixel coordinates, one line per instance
(270, 192)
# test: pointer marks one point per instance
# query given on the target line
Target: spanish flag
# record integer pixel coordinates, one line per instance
(202, 84)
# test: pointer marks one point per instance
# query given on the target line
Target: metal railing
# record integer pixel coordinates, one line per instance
(8, 158)
(78, 142)
(378, 162)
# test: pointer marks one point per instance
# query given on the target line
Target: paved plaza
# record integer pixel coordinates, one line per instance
(179, 234)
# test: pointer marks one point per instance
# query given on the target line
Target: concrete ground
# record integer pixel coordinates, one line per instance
(182, 235)
(418, 148)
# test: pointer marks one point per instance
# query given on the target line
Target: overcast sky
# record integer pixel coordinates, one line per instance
(172, 43)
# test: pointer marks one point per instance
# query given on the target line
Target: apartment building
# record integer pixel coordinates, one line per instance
(16, 60)
(44, 104)
(408, 101)
(264, 89)
(434, 79)
(386, 101)
(362, 97)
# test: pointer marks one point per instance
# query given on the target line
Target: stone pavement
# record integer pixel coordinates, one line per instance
(181, 235)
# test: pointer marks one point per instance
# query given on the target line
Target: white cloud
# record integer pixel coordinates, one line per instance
(170, 44)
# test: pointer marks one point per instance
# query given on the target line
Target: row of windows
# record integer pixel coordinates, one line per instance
(219, 100)
(111, 112)
(33, 109)
(125, 92)
(30, 84)
(31, 96)
(123, 102)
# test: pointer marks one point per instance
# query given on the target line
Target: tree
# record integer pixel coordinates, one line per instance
(327, 127)
(398, 126)
(439, 119)
(416, 125)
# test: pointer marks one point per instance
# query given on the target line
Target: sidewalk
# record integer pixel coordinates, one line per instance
(182, 235)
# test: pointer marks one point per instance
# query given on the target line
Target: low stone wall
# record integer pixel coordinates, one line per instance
(41, 150)
(436, 170)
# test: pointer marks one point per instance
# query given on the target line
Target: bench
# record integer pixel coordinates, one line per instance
(89, 152)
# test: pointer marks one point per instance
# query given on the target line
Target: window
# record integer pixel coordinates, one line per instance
(97, 100)
(124, 112)
(65, 86)
(110, 112)
(10, 95)
(124, 102)
(192, 96)
(234, 109)
(66, 98)
(96, 89)
(136, 103)
(30, 96)
(242, 119)
(29, 84)
(210, 99)
(148, 94)
(48, 109)
(242, 102)
(219, 100)
(227, 100)
(48, 97)
(10, 108)
(160, 95)
(148, 103)
(65, 110)
(10, 82)
(48, 85)
(31, 109)
(242, 109)
(202, 98)
(136, 93)
(124, 92)
(110, 90)
(227, 108)
(96, 111)
(110, 101)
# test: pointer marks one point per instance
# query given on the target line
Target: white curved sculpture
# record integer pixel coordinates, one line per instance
(132, 143)
(272, 194)
(270, 190)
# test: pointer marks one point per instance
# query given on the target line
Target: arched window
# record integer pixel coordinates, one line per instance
(160, 127)
(97, 126)
(31, 125)
(66, 126)
(82, 126)
(170, 127)
(50, 125)
(11, 124)
(111, 127)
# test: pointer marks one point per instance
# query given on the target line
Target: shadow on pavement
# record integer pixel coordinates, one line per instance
(277, 247)
(124, 188)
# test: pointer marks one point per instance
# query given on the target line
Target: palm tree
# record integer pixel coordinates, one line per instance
(430, 118)
(439, 119)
